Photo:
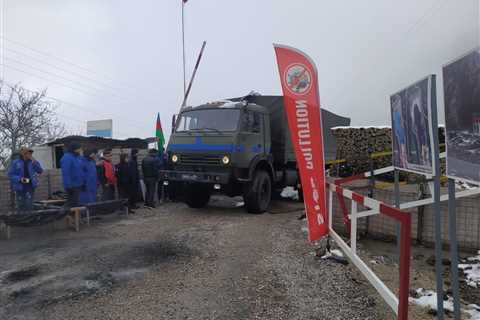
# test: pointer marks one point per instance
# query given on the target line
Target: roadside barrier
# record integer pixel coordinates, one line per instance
(399, 305)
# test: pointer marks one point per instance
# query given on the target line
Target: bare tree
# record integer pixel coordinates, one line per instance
(27, 118)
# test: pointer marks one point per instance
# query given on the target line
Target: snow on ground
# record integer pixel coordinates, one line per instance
(474, 311)
(428, 299)
(333, 252)
(290, 193)
(471, 269)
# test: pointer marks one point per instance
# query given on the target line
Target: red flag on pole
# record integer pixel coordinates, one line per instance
(299, 79)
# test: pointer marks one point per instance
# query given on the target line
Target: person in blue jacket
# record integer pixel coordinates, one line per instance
(72, 175)
(89, 169)
(23, 174)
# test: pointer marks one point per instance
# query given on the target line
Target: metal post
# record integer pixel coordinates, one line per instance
(436, 197)
(452, 233)
(184, 103)
(396, 193)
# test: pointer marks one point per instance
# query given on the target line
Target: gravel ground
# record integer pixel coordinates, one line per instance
(180, 263)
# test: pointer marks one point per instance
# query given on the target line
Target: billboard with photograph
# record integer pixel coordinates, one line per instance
(461, 82)
(411, 128)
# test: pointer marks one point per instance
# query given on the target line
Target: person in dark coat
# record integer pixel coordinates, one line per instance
(123, 177)
(150, 168)
(106, 176)
(89, 169)
(162, 189)
(134, 192)
(23, 174)
(72, 174)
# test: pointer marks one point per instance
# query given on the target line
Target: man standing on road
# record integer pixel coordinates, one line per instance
(150, 167)
(23, 175)
(72, 175)
(89, 168)
(134, 192)
(123, 179)
(106, 176)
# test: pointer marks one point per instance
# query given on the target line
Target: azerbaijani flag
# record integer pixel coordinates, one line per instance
(159, 133)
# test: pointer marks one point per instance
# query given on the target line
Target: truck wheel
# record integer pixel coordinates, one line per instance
(197, 196)
(258, 193)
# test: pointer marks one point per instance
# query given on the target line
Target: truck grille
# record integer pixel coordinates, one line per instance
(195, 160)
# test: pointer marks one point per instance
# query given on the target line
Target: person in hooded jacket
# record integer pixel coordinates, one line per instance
(151, 165)
(134, 191)
(123, 177)
(106, 176)
(89, 169)
(23, 174)
(72, 174)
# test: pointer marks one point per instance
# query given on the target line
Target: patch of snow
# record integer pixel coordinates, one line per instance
(472, 270)
(239, 204)
(289, 193)
(474, 311)
(334, 252)
(337, 252)
(373, 262)
(428, 299)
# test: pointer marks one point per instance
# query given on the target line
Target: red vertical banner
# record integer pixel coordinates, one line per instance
(299, 79)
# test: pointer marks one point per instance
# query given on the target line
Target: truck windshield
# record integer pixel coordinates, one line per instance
(219, 120)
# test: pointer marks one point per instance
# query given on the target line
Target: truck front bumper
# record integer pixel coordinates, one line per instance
(194, 176)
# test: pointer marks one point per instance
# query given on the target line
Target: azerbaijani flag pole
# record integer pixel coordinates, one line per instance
(159, 134)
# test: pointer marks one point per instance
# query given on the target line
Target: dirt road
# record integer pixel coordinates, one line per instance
(180, 263)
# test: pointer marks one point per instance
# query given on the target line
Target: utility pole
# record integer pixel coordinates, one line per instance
(183, 48)
(2, 40)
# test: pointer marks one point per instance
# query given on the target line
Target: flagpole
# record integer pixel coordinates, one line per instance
(183, 48)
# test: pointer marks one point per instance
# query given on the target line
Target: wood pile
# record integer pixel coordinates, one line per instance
(357, 144)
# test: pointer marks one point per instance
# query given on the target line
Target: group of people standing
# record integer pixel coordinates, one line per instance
(83, 172)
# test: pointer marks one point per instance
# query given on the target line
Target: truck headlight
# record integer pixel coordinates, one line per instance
(174, 158)
(225, 160)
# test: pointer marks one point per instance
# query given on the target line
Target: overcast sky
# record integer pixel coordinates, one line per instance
(122, 59)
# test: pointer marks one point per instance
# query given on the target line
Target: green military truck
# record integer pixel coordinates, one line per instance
(239, 146)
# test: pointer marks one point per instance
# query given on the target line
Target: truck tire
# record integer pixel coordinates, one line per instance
(197, 196)
(258, 193)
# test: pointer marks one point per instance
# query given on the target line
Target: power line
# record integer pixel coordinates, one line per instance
(81, 85)
(76, 106)
(62, 115)
(125, 85)
(70, 72)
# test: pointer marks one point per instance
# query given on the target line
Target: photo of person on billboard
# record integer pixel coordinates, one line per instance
(411, 129)
(462, 117)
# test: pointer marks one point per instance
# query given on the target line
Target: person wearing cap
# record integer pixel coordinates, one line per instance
(151, 165)
(106, 176)
(89, 169)
(72, 175)
(23, 174)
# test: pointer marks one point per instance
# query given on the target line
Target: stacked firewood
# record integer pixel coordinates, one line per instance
(364, 148)
(360, 146)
